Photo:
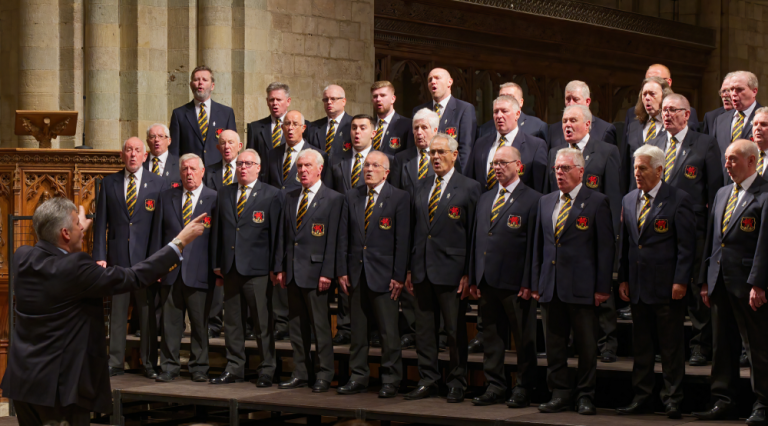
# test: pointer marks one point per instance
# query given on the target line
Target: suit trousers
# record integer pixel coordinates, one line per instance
(700, 314)
(659, 325)
(216, 316)
(240, 293)
(607, 319)
(36, 415)
(343, 325)
(118, 327)
(431, 301)
(734, 322)
(366, 307)
(280, 308)
(407, 315)
(148, 316)
(504, 312)
(307, 311)
(177, 299)
(561, 318)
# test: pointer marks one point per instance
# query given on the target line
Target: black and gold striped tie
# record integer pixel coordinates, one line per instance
(498, 204)
(156, 166)
(277, 134)
(490, 179)
(651, 131)
(761, 163)
(186, 211)
(377, 137)
(423, 164)
(228, 175)
(287, 163)
(329, 136)
(369, 208)
(356, 169)
(303, 207)
(669, 162)
(738, 127)
(437, 109)
(434, 199)
(731, 206)
(562, 216)
(202, 121)
(574, 146)
(644, 212)
(241, 200)
(131, 195)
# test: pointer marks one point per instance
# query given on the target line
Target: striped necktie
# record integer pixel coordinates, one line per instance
(329, 136)
(277, 134)
(378, 135)
(761, 163)
(423, 164)
(241, 201)
(490, 178)
(562, 216)
(644, 212)
(356, 169)
(738, 127)
(498, 204)
(156, 166)
(437, 109)
(202, 121)
(131, 195)
(651, 131)
(669, 162)
(731, 206)
(303, 207)
(186, 211)
(287, 163)
(228, 175)
(434, 199)
(369, 208)
(574, 146)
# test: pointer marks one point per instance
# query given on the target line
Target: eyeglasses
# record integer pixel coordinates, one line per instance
(245, 164)
(288, 125)
(563, 168)
(499, 163)
(155, 137)
(672, 110)
(325, 100)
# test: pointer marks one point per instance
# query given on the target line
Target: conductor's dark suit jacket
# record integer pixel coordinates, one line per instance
(407, 177)
(339, 178)
(458, 120)
(502, 251)
(663, 252)
(248, 242)
(118, 238)
(308, 253)
(708, 125)
(171, 171)
(58, 354)
(272, 171)
(197, 266)
(722, 132)
(185, 132)
(739, 254)
(382, 251)
(315, 134)
(581, 264)
(528, 124)
(441, 249)
(601, 131)
(533, 155)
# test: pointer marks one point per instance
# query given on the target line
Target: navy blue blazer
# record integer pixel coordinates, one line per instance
(382, 251)
(120, 239)
(601, 131)
(214, 176)
(185, 132)
(693, 120)
(581, 264)
(197, 266)
(633, 141)
(528, 124)
(171, 172)
(533, 154)
(339, 178)
(407, 177)
(708, 125)
(315, 134)
(272, 171)
(662, 253)
(502, 251)
(399, 135)
(722, 130)
(458, 120)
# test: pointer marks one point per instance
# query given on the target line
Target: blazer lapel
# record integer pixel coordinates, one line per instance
(206, 195)
(549, 206)
(657, 204)
(576, 208)
(633, 213)
(589, 148)
(746, 199)
(251, 198)
(510, 200)
(266, 132)
(118, 188)
(359, 209)
(312, 208)
(381, 203)
(346, 171)
(423, 198)
(445, 198)
(176, 201)
(144, 187)
(685, 148)
(192, 117)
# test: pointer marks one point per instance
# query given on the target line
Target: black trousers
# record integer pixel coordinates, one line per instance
(118, 320)
(240, 293)
(37, 415)
(343, 325)
(700, 314)
(368, 307)
(149, 315)
(734, 321)
(504, 312)
(177, 299)
(407, 315)
(118, 323)
(280, 308)
(659, 326)
(216, 315)
(606, 318)
(561, 318)
(431, 301)
(307, 311)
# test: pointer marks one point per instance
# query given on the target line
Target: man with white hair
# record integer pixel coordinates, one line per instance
(330, 133)
(160, 161)
(528, 124)
(708, 124)
(415, 162)
(658, 246)
(760, 137)
(737, 123)
(577, 93)
(124, 210)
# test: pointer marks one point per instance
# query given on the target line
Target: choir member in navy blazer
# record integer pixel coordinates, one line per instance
(658, 247)
(396, 130)
(188, 287)
(120, 237)
(734, 276)
(571, 274)
(708, 125)
(577, 93)
(528, 124)
(195, 129)
(246, 238)
(321, 134)
(443, 215)
(533, 151)
(500, 277)
(372, 259)
(305, 263)
(457, 118)
(268, 133)
(160, 161)
(415, 158)
(737, 123)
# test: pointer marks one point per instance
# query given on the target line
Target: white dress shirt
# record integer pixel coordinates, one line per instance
(161, 160)
(679, 136)
(335, 128)
(376, 192)
(747, 114)
(659, 126)
(127, 179)
(443, 105)
(443, 184)
(362, 160)
(207, 109)
(386, 120)
(509, 188)
(641, 198)
(574, 192)
(510, 137)
(248, 189)
(195, 196)
(744, 188)
(582, 143)
(274, 121)
(311, 196)
(297, 149)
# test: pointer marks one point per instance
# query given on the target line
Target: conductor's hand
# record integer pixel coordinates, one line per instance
(704, 293)
(102, 263)
(193, 230)
(624, 291)
(84, 221)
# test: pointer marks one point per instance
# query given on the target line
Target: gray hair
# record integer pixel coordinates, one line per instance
(385, 159)
(427, 114)
(585, 112)
(576, 156)
(751, 78)
(761, 110)
(144, 148)
(302, 116)
(578, 86)
(279, 86)
(165, 129)
(680, 98)
(51, 217)
(335, 86)
(655, 154)
(452, 144)
(512, 101)
(190, 156)
(252, 151)
(309, 151)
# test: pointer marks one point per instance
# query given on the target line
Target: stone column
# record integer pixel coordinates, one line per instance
(215, 44)
(182, 51)
(102, 75)
(9, 72)
(71, 66)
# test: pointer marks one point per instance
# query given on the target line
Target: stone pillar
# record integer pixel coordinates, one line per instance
(102, 75)
(71, 66)
(182, 51)
(215, 44)
(9, 75)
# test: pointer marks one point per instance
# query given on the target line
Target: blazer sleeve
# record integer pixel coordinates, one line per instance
(540, 168)
(613, 185)
(212, 255)
(714, 172)
(156, 233)
(623, 274)
(685, 222)
(468, 126)
(402, 238)
(231, 123)
(610, 135)
(472, 260)
(100, 226)
(606, 247)
(707, 252)
(275, 223)
(759, 273)
(543, 133)
(474, 192)
(532, 220)
(173, 148)
(329, 260)
(342, 244)
(279, 256)
(538, 246)
(216, 234)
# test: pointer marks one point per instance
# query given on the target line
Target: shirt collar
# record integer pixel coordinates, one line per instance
(296, 148)
(233, 163)
(680, 136)
(282, 118)
(364, 152)
(196, 192)
(748, 111)
(337, 119)
(162, 157)
(207, 106)
(443, 103)
(377, 188)
(389, 116)
(137, 174)
(574, 192)
(447, 176)
(511, 187)
(250, 185)
(652, 192)
(748, 181)
(510, 136)
(582, 143)
(316, 187)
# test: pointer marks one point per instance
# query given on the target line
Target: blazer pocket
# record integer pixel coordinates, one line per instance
(316, 257)
(452, 251)
(747, 262)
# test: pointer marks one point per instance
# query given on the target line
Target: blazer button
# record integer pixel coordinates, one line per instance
(204, 151)
(233, 247)
(365, 247)
(718, 262)
(283, 187)
(553, 262)
(722, 245)
(484, 253)
(130, 224)
(640, 247)
(429, 236)
(237, 229)
(490, 234)
(361, 261)
(295, 244)
(559, 245)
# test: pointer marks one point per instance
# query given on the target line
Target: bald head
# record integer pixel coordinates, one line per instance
(439, 82)
(133, 154)
(741, 160)
(659, 70)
